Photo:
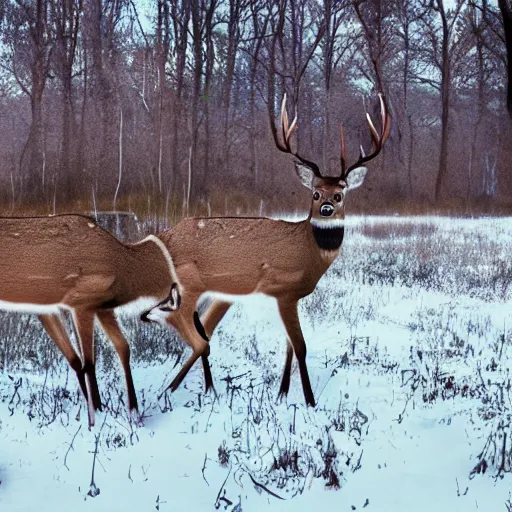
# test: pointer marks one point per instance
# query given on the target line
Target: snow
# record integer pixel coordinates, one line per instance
(386, 330)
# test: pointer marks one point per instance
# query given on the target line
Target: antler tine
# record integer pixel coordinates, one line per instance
(292, 128)
(284, 122)
(378, 139)
(385, 119)
(287, 130)
(375, 135)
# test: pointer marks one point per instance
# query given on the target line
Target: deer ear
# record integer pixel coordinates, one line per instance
(305, 174)
(174, 297)
(356, 177)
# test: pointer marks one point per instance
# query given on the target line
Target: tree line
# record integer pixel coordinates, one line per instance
(170, 101)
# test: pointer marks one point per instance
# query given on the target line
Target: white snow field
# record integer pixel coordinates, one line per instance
(409, 340)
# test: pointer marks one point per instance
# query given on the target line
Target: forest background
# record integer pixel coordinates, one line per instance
(162, 107)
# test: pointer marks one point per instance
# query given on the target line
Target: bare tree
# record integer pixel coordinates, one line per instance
(101, 22)
(162, 54)
(441, 29)
(31, 45)
(180, 16)
(335, 46)
(259, 22)
(209, 26)
(234, 22)
(506, 13)
(65, 18)
(408, 13)
(477, 28)
(373, 16)
(297, 32)
(202, 16)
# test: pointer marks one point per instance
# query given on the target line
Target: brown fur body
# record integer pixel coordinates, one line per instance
(68, 262)
(247, 255)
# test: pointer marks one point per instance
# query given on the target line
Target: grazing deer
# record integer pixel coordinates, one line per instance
(238, 256)
(67, 262)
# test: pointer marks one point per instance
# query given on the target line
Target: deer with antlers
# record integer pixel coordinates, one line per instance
(67, 262)
(229, 257)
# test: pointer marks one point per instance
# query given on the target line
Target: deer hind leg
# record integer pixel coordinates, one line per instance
(110, 325)
(184, 321)
(290, 316)
(54, 327)
(285, 381)
(208, 380)
(84, 322)
(212, 316)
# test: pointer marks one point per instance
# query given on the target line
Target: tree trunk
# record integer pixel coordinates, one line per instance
(35, 138)
(445, 104)
(234, 14)
(65, 168)
(162, 53)
(480, 103)
(34, 149)
(506, 12)
(180, 20)
(443, 154)
(258, 29)
(95, 152)
(65, 18)
(210, 54)
(405, 92)
(196, 92)
(253, 164)
(410, 155)
(82, 136)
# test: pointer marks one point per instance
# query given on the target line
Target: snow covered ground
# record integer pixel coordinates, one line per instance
(409, 350)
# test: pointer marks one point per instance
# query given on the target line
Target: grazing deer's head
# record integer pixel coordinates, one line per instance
(329, 192)
(161, 311)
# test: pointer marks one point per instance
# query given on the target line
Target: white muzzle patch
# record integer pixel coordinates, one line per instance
(158, 316)
(327, 223)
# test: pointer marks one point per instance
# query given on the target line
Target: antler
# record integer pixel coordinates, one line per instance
(378, 140)
(287, 130)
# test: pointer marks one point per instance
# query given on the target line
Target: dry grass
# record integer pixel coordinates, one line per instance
(166, 210)
(160, 213)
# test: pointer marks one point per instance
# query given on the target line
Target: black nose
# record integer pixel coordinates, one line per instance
(326, 210)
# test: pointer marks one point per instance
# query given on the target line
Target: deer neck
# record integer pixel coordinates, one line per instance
(162, 272)
(328, 233)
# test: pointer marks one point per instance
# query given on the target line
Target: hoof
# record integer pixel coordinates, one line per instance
(282, 396)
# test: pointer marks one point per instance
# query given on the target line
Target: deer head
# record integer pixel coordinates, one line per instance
(163, 309)
(329, 192)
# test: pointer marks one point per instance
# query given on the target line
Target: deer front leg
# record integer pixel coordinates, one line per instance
(290, 316)
(54, 327)
(84, 322)
(111, 327)
(184, 322)
(213, 315)
(210, 319)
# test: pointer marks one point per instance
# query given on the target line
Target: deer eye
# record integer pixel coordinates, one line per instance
(337, 198)
(316, 196)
